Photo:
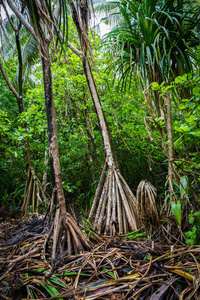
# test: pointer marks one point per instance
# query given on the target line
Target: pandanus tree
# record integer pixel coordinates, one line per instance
(42, 26)
(114, 202)
(156, 40)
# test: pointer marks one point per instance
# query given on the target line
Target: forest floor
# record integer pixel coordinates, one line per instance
(127, 267)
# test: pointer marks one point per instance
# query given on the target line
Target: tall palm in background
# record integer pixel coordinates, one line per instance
(156, 40)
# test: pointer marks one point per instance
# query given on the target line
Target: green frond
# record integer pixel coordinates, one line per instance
(30, 51)
(157, 38)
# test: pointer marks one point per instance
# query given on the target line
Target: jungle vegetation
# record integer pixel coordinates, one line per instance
(85, 119)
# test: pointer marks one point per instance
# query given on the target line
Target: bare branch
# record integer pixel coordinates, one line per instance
(75, 50)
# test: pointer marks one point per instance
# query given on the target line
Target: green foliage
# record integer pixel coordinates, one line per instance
(157, 38)
(185, 105)
(177, 211)
(135, 234)
(51, 290)
(193, 236)
(110, 273)
(79, 137)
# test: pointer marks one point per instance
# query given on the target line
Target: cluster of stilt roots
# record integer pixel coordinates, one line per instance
(114, 204)
(34, 194)
(66, 236)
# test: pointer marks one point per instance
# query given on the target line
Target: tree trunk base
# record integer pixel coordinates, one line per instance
(67, 236)
(115, 213)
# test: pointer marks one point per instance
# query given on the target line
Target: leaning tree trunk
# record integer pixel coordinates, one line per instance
(65, 228)
(114, 203)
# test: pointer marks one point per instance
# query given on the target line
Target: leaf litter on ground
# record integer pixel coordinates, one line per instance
(123, 267)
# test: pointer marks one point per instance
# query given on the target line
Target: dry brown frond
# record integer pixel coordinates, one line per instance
(146, 205)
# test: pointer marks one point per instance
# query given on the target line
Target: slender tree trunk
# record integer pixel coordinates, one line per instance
(17, 38)
(44, 177)
(20, 84)
(64, 226)
(52, 134)
(106, 138)
(170, 148)
(63, 222)
(11, 155)
(91, 137)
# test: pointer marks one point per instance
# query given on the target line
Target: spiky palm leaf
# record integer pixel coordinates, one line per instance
(156, 37)
(29, 48)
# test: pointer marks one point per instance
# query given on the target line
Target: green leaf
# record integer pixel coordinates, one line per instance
(51, 290)
(197, 133)
(177, 128)
(183, 186)
(178, 79)
(188, 234)
(185, 128)
(31, 292)
(177, 211)
(196, 91)
(56, 281)
(26, 245)
(182, 106)
(178, 142)
(194, 229)
(193, 241)
(110, 273)
(190, 119)
(191, 220)
(134, 234)
(155, 86)
(72, 274)
(181, 79)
